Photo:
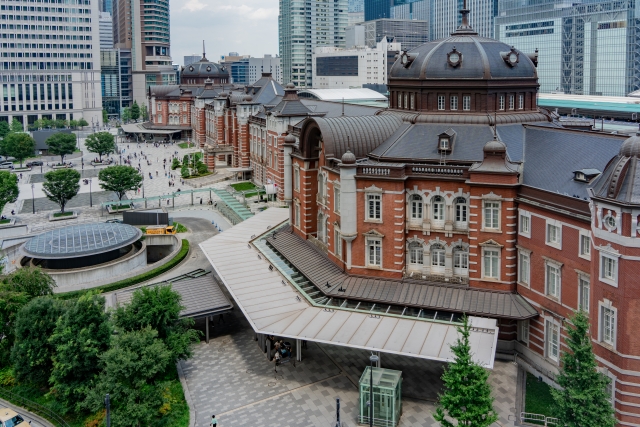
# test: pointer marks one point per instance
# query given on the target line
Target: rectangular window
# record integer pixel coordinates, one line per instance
(454, 102)
(608, 325)
(374, 202)
(337, 243)
(525, 223)
(492, 263)
(512, 102)
(406, 100)
(553, 280)
(520, 102)
(466, 103)
(552, 340)
(554, 234)
(159, 107)
(374, 252)
(523, 331)
(336, 200)
(608, 268)
(297, 215)
(413, 101)
(583, 293)
(461, 260)
(524, 267)
(501, 103)
(441, 102)
(399, 100)
(492, 215)
(585, 245)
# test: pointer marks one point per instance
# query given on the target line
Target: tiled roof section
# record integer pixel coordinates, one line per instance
(552, 155)
(291, 108)
(360, 134)
(407, 292)
(334, 109)
(419, 142)
(265, 90)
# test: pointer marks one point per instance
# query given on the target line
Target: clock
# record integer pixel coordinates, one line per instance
(404, 59)
(454, 58)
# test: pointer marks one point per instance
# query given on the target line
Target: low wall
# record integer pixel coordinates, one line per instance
(13, 231)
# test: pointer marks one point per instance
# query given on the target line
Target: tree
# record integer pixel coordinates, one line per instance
(100, 143)
(81, 335)
(9, 190)
(32, 352)
(33, 281)
(175, 164)
(10, 303)
(467, 395)
(135, 111)
(16, 126)
(61, 186)
(73, 123)
(4, 129)
(126, 114)
(159, 307)
(144, 113)
(61, 144)
(184, 171)
(105, 116)
(19, 145)
(583, 400)
(82, 122)
(120, 179)
(132, 375)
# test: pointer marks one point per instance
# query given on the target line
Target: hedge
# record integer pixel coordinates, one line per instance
(132, 280)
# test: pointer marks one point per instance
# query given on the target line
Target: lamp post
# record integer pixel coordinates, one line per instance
(107, 404)
(374, 360)
(90, 196)
(33, 200)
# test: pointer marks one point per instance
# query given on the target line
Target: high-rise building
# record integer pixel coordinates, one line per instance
(50, 71)
(247, 71)
(143, 27)
(354, 36)
(115, 80)
(106, 30)
(356, 12)
(409, 33)
(584, 47)
(190, 59)
(303, 26)
(106, 6)
(377, 9)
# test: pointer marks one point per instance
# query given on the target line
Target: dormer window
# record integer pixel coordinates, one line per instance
(444, 144)
(446, 140)
(585, 175)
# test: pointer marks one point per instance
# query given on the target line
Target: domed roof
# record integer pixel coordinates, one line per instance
(464, 55)
(494, 146)
(289, 139)
(348, 158)
(204, 68)
(620, 180)
(631, 147)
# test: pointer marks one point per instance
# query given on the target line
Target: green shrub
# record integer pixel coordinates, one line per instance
(175, 164)
(180, 228)
(133, 280)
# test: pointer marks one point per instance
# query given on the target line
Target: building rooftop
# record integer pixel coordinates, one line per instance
(81, 240)
(346, 95)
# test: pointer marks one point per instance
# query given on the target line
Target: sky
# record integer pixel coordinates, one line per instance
(249, 27)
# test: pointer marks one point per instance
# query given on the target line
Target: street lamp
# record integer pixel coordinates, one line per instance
(90, 196)
(374, 360)
(107, 404)
(33, 200)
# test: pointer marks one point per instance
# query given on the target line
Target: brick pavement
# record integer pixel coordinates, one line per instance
(230, 377)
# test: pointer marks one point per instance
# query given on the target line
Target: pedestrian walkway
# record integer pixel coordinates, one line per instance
(236, 207)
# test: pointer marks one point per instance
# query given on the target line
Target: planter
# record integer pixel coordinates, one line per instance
(18, 170)
(7, 222)
(61, 167)
(101, 164)
(72, 215)
(112, 210)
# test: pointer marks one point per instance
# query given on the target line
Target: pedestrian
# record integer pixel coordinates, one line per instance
(214, 422)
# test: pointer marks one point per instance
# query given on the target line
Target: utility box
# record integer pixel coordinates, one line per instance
(387, 397)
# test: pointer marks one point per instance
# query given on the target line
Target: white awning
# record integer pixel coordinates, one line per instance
(274, 307)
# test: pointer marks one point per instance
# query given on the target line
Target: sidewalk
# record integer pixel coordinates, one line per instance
(36, 421)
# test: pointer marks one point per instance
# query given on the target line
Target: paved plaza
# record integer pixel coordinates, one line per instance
(230, 377)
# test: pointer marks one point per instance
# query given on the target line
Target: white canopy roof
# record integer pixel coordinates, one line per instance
(274, 307)
(337, 95)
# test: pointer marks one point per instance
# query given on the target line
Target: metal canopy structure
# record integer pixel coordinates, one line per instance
(81, 240)
(273, 306)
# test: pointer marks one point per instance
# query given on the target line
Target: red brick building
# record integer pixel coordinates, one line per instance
(465, 191)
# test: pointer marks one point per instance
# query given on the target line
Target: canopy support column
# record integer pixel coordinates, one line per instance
(206, 321)
(298, 350)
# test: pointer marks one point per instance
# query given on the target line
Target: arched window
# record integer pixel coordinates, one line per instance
(416, 253)
(462, 212)
(437, 258)
(416, 206)
(322, 229)
(320, 186)
(438, 208)
(460, 261)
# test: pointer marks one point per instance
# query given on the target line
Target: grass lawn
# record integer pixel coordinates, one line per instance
(180, 228)
(116, 207)
(243, 186)
(199, 175)
(5, 221)
(186, 145)
(61, 214)
(538, 398)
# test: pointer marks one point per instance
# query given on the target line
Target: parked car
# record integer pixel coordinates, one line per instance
(6, 165)
(10, 418)
(114, 221)
(34, 163)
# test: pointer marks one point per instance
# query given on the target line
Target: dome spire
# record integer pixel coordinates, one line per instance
(204, 55)
(464, 28)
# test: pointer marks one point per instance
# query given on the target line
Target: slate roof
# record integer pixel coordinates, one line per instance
(316, 267)
(552, 155)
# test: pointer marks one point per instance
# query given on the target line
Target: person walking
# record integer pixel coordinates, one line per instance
(214, 422)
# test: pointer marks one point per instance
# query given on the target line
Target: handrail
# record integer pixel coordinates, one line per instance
(548, 421)
(38, 409)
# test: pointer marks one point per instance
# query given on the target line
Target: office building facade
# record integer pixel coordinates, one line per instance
(247, 71)
(304, 25)
(106, 31)
(585, 48)
(190, 59)
(143, 27)
(115, 81)
(353, 68)
(408, 33)
(50, 61)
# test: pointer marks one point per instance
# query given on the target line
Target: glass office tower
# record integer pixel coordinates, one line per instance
(584, 47)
